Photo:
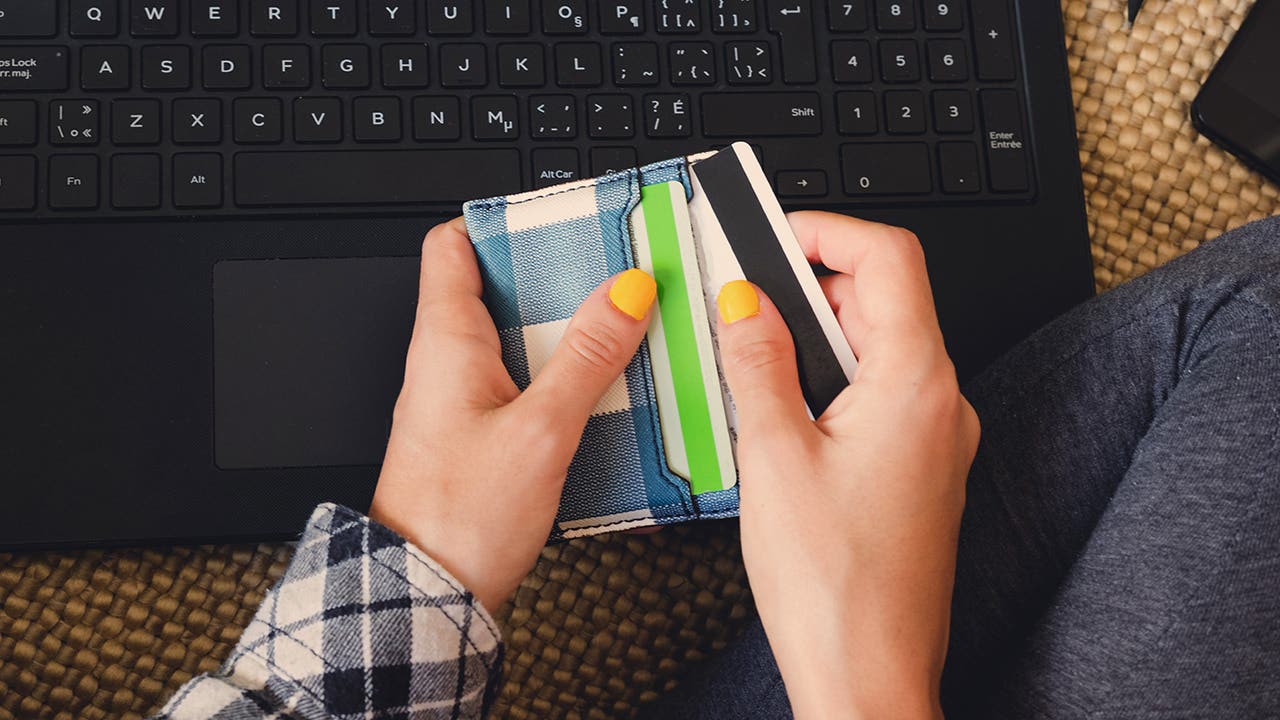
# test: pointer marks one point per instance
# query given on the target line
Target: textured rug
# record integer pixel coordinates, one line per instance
(606, 624)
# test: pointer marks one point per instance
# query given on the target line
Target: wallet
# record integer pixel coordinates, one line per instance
(542, 252)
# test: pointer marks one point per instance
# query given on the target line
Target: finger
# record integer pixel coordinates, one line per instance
(759, 359)
(449, 288)
(889, 303)
(601, 339)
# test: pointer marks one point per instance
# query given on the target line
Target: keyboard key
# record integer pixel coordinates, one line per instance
(92, 18)
(612, 159)
(135, 182)
(153, 18)
(733, 16)
(952, 111)
(374, 177)
(17, 122)
(495, 117)
(578, 65)
(258, 120)
(73, 182)
(947, 61)
(943, 14)
(104, 68)
(677, 16)
(801, 183)
(197, 180)
(896, 15)
(273, 18)
(521, 65)
(856, 113)
(73, 122)
(197, 121)
(317, 120)
(667, 115)
(553, 116)
(506, 17)
(552, 166)
(621, 17)
(762, 114)
(393, 17)
(17, 181)
(376, 119)
(635, 64)
(226, 67)
(847, 15)
(333, 17)
(28, 18)
(32, 69)
(851, 61)
(904, 112)
(610, 116)
(437, 118)
(289, 67)
(345, 66)
(899, 61)
(166, 67)
(404, 66)
(462, 65)
(449, 17)
(564, 17)
(885, 168)
(1004, 140)
(993, 40)
(135, 122)
(748, 63)
(215, 18)
(692, 63)
(958, 167)
(792, 20)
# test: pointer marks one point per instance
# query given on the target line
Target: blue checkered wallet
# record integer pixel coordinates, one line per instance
(541, 253)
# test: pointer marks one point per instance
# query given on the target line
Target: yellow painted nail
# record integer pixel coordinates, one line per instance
(633, 292)
(737, 300)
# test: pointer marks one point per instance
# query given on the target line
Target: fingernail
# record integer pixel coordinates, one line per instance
(737, 300)
(633, 292)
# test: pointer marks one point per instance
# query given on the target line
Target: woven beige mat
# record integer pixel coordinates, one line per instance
(605, 624)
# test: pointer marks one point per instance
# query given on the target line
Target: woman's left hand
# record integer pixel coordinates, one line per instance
(474, 467)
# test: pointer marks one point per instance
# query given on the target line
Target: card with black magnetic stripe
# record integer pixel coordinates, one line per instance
(742, 218)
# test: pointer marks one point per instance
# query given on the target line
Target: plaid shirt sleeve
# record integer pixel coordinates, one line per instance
(362, 625)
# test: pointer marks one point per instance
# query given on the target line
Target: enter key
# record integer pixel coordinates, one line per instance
(1005, 140)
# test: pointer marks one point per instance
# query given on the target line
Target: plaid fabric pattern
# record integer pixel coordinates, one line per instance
(541, 253)
(362, 625)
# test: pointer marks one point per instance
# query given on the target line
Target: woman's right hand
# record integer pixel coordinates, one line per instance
(850, 522)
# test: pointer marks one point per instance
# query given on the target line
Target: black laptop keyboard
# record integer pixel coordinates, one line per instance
(213, 107)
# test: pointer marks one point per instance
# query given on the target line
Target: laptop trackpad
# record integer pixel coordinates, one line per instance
(308, 359)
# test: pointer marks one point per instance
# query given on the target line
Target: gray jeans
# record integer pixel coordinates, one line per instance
(1120, 550)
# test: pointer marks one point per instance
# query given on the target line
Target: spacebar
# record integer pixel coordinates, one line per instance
(374, 177)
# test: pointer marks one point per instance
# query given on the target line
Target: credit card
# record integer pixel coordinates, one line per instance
(691, 409)
(742, 232)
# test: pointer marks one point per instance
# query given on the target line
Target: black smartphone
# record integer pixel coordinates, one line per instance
(1239, 105)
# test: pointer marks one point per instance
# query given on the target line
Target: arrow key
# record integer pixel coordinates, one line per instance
(73, 122)
(801, 183)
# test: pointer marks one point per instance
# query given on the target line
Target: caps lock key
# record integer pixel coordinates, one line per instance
(29, 69)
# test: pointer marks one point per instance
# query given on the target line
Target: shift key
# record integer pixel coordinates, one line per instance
(1005, 140)
(29, 69)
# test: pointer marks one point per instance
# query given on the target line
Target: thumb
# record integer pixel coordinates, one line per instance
(601, 339)
(759, 359)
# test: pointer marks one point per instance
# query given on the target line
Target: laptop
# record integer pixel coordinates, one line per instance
(211, 210)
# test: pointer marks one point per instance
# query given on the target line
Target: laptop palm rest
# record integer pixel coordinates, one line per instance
(308, 359)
